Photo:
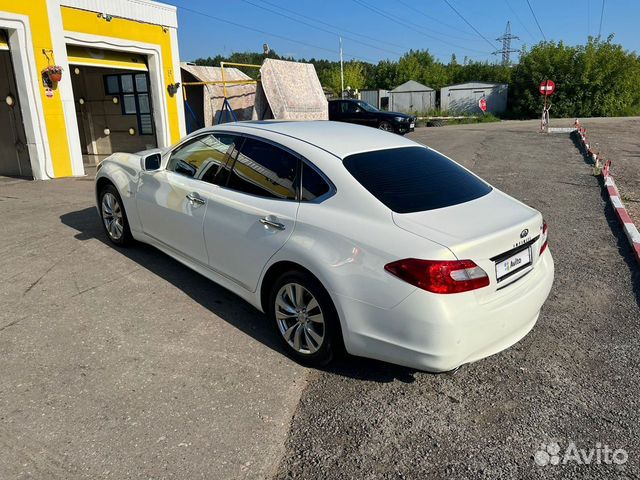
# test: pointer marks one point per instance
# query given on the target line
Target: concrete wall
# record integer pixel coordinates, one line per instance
(464, 98)
(412, 102)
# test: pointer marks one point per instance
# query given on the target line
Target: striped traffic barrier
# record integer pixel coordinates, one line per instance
(603, 167)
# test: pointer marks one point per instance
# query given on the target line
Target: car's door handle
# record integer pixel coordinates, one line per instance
(194, 198)
(269, 222)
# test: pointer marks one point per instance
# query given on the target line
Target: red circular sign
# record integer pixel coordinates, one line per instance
(547, 87)
(482, 103)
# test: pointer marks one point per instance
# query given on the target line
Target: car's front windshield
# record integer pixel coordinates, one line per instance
(367, 107)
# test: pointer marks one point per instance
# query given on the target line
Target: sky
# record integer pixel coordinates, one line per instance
(373, 30)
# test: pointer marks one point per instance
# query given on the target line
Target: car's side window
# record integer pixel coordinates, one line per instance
(202, 156)
(313, 185)
(344, 107)
(264, 170)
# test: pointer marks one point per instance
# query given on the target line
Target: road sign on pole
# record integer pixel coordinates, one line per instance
(547, 88)
(482, 103)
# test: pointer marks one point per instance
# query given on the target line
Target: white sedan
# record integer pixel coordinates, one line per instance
(345, 236)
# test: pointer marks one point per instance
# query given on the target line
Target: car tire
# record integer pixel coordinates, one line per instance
(386, 126)
(114, 217)
(307, 324)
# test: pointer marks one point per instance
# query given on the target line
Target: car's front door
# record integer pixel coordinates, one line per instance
(253, 213)
(172, 202)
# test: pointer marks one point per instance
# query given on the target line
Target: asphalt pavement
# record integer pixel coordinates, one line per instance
(125, 364)
(122, 363)
(573, 379)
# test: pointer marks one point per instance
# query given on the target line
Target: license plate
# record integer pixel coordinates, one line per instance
(412, 125)
(513, 263)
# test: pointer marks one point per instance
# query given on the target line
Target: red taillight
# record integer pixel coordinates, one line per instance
(447, 276)
(544, 238)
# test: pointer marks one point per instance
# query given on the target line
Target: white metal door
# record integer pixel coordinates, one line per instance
(172, 207)
(242, 232)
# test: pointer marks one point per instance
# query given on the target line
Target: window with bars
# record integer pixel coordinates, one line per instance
(135, 99)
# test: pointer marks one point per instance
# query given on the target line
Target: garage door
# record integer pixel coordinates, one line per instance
(14, 156)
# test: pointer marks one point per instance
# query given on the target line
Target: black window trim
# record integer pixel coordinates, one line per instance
(243, 136)
(298, 183)
(191, 138)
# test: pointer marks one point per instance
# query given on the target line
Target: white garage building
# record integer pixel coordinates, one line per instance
(464, 97)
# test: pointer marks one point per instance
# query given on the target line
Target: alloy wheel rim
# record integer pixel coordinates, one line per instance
(112, 216)
(300, 318)
(386, 127)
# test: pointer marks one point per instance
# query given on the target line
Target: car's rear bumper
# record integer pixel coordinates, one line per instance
(441, 332)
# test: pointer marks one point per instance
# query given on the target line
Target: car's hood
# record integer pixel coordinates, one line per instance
(478, 230)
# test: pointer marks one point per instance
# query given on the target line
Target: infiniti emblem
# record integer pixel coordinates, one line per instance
(524, 233)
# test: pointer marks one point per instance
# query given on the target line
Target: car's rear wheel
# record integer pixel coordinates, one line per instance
(386, 126)
(114, 218)
(305, 318)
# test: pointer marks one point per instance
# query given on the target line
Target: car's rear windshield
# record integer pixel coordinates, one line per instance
(414, 179)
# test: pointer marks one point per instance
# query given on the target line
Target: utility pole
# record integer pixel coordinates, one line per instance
(506, 45)
(341, 72)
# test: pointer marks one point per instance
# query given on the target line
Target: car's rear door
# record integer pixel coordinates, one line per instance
(172, 202)
(253, 213)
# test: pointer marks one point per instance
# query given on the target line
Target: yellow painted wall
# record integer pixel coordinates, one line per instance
(82, 21)
(38, 15)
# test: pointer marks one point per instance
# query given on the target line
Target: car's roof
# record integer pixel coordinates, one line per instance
(339, 138)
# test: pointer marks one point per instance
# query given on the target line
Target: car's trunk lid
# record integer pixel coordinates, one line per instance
(483, 230)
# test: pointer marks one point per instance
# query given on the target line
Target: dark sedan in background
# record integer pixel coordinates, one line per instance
(357, 111)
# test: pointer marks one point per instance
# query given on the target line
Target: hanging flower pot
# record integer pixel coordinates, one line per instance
(54, 72)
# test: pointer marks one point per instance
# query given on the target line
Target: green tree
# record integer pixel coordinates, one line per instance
(353, 77)
(596, 79)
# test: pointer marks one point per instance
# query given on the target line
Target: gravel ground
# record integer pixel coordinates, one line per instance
(618, 139)
(572, 379)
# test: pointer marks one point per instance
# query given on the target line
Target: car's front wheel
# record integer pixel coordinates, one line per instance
(114, 218)
(305, 318)
(386, 126)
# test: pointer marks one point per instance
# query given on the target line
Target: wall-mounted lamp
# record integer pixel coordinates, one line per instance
(81, 100)
(10, 100)
(107, 131)
(115, 100)
(132, 131)
(172, 88)
(76, 71)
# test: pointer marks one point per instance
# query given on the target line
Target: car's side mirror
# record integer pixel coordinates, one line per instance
(152, 162)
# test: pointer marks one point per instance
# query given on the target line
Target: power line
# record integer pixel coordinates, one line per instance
(430, 17)
(246, 27)
(321, 28)
(467, 22)
(399, 21)
(332, 26)
(601, 15)
(519, 21)
(536, 19)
